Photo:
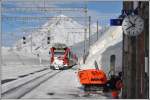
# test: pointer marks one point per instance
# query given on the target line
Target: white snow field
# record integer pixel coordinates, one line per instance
(110, 43)
(16, 65)
(20, 65)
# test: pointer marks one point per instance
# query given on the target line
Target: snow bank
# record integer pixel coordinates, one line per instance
(109, 43)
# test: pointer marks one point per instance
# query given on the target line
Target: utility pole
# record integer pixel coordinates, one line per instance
(128, 90)
(0, 41)
(133, 57)
(143, 48)
(85, 33)
(84, 45)
(89, 30)
(97, 29)
(146, 42)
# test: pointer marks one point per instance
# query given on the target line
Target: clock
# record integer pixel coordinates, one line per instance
(132, 25)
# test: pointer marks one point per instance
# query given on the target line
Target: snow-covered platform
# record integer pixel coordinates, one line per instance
(64, 85)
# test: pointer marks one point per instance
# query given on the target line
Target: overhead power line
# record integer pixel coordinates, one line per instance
(38, 18)
(40, 9)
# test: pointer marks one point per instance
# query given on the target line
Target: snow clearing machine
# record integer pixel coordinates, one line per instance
(96, 80)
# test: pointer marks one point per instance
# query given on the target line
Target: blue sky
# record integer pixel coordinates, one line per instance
(102, 11)
(106, 6)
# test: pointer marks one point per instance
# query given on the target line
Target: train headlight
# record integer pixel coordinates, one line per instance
(65, 65)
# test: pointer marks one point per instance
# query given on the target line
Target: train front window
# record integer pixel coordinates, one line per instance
(57, 54)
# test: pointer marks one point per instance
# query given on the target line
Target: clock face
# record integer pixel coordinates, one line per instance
(133, 25)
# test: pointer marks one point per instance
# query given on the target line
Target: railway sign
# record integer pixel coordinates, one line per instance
(116, 22)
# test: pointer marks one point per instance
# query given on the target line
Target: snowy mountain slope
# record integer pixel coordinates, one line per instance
(59, 29)
(101, 52)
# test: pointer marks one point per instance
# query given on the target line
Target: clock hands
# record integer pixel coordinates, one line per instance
(132, 25)
(129, 27)
(135, 19)
(130, 22)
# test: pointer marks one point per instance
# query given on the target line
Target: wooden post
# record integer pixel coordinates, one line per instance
(97, 29)
(133, 57)
(127, 60)
(143, 40)
(84, 56)
(0, 34)
(89, 30)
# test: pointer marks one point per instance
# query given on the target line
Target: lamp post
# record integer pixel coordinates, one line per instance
(0, 36)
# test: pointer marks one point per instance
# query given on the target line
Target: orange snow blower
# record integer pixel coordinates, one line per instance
(96, 80)
(92, 78)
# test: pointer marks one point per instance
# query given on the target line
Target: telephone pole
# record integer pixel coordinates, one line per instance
(97, 29)
(129, 60)
(89, 30)
(85, 33)
(0, 33)
(0, 29)
(134, 55)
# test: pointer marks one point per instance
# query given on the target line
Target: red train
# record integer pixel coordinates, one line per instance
(61, 57)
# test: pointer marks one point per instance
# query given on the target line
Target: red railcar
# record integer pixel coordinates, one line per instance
(61, 57)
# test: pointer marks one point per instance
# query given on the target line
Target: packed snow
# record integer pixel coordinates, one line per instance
(110, 43)
(59, 87)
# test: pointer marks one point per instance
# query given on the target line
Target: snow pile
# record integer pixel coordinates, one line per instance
(111, 37)
(110, 43)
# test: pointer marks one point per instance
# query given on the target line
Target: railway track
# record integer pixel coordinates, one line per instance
(23, 89)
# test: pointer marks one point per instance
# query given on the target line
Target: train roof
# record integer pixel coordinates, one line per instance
(59, 45)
